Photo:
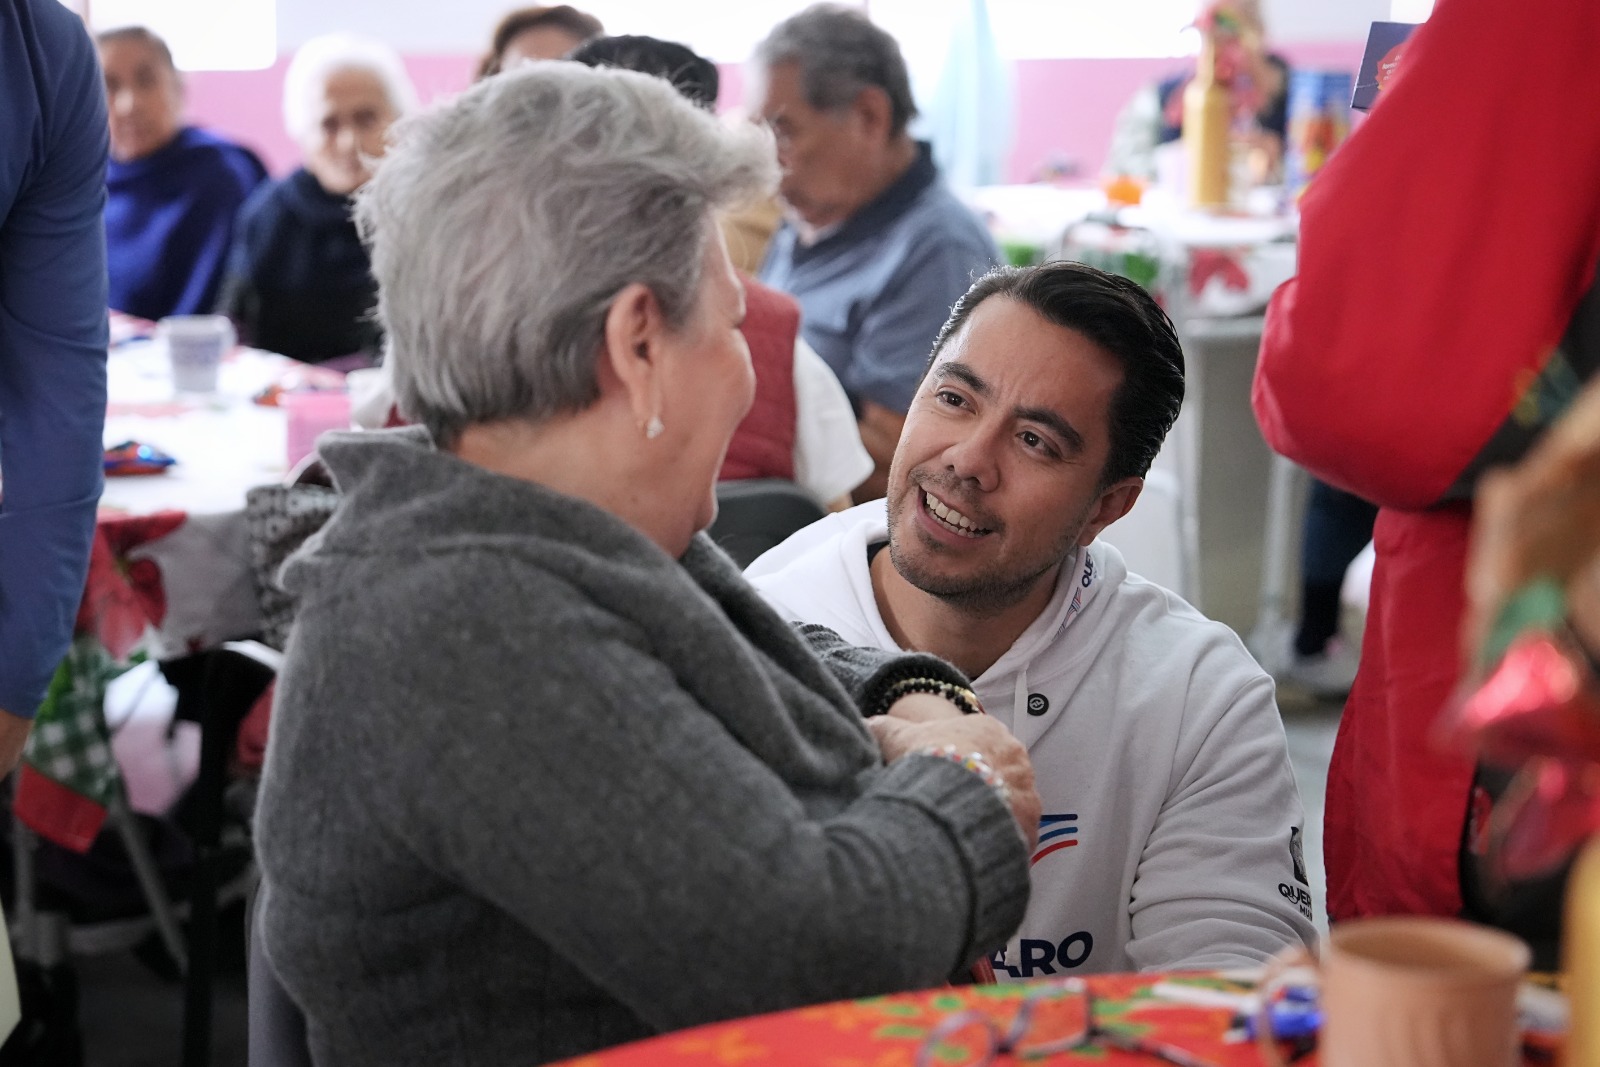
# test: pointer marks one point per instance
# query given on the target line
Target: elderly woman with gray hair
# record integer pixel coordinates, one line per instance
(298, 277)
(545, 773)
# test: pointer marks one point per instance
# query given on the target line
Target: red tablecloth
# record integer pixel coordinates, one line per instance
(888, 1031)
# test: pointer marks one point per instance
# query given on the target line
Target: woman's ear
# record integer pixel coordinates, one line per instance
(633, 330)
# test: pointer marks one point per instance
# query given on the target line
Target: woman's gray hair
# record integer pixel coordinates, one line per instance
(306, 80)
(503, 224)
(840, 52)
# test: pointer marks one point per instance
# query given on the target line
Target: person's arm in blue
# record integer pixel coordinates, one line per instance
(53, 137)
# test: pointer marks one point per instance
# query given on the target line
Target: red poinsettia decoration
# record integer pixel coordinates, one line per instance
(124, 596)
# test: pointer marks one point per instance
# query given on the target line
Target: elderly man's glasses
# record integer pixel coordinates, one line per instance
(1054, 1018)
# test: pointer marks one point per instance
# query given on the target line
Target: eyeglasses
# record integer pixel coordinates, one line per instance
(1056, 1017)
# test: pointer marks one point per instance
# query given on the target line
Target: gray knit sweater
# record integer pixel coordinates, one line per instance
(535, 788)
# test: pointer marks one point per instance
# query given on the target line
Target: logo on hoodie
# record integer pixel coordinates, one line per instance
(1085, 580)
(1056, 832)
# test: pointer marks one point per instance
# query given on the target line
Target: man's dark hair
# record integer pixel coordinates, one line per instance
(579, 24)
(140, 35)
(1120, 317)
(840, 52)
(689, 72)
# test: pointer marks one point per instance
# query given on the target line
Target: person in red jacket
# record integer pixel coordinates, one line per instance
(1435, 328)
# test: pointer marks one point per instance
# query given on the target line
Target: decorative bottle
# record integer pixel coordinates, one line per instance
(1207, 118)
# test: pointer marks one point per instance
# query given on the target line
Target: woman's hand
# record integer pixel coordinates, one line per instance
(898, 736)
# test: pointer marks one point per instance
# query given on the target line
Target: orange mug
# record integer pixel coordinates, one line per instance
(1409, 991)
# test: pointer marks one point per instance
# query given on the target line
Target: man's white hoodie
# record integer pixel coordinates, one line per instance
(1171, 837)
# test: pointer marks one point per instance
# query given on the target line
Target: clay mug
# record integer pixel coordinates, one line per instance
(1409, 991)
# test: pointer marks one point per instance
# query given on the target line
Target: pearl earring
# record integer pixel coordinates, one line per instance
(653, 428)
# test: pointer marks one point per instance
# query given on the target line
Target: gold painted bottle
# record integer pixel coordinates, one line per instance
(1207, 118)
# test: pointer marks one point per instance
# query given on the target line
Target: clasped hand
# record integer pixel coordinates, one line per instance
(919, 721)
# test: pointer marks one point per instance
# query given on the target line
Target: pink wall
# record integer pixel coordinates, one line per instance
(1065, 107)
(248, 105)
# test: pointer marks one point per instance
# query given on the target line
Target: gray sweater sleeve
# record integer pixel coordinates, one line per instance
(867, 672)
(623, 824)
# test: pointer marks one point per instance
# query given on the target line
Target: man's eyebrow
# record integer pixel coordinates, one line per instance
(964, 374)
(1070, 437)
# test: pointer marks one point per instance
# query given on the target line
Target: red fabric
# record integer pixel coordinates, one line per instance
(55, 812)
(763, 444)
(1396, 804)
(1443, 250)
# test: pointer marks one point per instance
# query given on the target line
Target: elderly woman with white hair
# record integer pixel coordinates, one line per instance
(545, 773)
(299, 281)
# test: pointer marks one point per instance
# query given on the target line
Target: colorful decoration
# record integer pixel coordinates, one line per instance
(134, 458)
(1538, 709)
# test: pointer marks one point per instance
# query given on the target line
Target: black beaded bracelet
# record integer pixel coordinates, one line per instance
(959, 695)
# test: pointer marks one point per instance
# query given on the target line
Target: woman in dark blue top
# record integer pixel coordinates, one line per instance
(299, 281)
(173, 190)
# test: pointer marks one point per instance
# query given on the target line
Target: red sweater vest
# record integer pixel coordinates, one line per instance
(763, 444)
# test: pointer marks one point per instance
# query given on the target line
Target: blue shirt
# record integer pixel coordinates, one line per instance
(52, 335)
(169, 221)
(875, 291)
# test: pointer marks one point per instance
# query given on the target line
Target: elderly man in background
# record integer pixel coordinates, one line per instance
(874, 246)
(299, 281)
(52, 344)
(173, 190)
(1171, 838)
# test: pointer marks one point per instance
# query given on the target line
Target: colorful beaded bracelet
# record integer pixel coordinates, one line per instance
(974, 762)
(959, 695)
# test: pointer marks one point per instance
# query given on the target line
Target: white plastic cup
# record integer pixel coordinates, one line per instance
(310, 415)
(195, 346)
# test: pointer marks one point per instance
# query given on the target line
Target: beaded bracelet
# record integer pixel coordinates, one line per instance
(974, 762)
(959, 695)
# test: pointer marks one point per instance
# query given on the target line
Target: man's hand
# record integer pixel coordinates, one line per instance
(924, 707)
(13, 735)
(898, 736)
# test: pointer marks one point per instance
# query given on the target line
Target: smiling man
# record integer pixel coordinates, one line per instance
(874, 246)
(1171, 837)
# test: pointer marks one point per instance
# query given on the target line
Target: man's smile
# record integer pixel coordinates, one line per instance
(951, 519)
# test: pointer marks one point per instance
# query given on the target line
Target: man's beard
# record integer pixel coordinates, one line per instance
(987, 592)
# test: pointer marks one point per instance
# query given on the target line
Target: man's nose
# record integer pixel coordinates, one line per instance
(976, 457)
(123, 102)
